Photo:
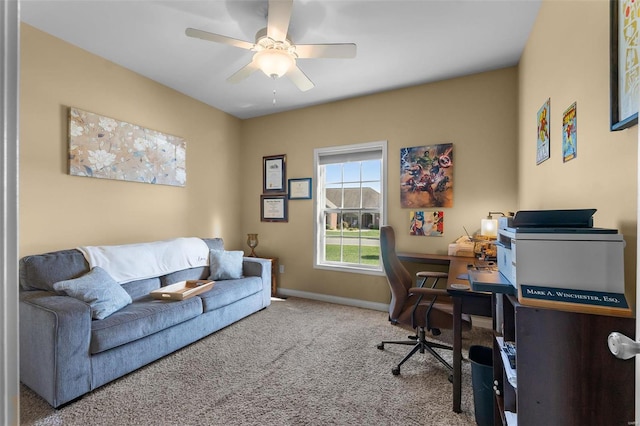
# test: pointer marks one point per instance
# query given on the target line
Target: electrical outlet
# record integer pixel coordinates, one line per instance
(282, 269)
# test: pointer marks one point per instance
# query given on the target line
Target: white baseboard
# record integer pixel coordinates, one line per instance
(482, 322)
(384, 307)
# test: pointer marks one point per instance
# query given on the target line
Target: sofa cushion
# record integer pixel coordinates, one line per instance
(225, 265)
(98, 289)
(214, 243)
(141, 288)
(141, 318)
(41, 271)
(226, 292)
(197, 273)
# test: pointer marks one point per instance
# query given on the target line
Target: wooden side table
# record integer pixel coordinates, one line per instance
(274, 274)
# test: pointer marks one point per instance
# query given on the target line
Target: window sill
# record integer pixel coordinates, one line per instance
(349, 269)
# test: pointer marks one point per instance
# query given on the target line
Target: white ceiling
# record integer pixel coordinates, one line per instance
(400, 43)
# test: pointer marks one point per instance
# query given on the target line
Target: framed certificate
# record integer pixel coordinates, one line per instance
(273, 208)
(300, 189)
(274, 173)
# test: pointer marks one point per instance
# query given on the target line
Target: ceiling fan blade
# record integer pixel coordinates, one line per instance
(205, 35)
(278, 18)
(338, 50)
(243, 72)
(300, 79)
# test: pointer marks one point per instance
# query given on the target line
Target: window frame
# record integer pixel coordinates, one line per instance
(318, 209)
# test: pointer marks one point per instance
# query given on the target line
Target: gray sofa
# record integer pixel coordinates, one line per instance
(64, 353)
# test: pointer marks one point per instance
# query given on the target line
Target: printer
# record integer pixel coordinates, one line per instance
(556, 258)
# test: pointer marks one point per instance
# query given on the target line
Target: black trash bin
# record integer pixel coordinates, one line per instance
(481, 358)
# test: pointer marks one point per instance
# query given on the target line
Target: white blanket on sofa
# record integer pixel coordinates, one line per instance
(132, 262)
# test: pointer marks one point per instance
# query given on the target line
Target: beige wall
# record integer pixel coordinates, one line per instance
(567, 59)
(478, 114)
(490, 118)
(60, 211)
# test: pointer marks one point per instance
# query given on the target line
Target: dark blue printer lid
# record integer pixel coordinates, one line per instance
(582, 218)
(557, 221)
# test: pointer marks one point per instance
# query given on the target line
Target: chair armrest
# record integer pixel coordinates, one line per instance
(55, 333)
(431, 274)
(436, 292)
(259, 267)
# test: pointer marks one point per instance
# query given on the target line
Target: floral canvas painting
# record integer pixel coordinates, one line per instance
(426, 176)
(102, 147)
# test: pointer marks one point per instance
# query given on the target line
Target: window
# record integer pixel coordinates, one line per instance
(350, 206)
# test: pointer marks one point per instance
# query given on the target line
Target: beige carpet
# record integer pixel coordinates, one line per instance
(299, 362)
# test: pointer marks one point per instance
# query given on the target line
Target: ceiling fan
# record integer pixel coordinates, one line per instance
(276, 55)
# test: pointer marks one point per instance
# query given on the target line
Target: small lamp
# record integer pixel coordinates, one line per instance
(489, 226)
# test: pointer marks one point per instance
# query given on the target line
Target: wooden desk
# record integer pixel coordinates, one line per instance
(464, 301)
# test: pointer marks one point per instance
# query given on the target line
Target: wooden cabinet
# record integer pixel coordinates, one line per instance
(274, 275)
(565, 374)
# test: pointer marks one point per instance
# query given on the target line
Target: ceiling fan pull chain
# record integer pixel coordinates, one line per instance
(275, 86)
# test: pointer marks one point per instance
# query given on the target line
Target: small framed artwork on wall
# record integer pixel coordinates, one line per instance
(570, 133)
(542, 145)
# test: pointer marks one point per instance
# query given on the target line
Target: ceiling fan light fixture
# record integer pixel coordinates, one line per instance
(274, 62)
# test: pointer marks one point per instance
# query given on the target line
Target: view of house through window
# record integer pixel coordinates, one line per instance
(350, 187)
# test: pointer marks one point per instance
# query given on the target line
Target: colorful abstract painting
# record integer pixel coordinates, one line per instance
(426, 176)
(543, 142)
(426, 224)
(570, 133)
(102, 147)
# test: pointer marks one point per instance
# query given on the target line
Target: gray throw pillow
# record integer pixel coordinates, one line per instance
(225, 265)
(98, 289)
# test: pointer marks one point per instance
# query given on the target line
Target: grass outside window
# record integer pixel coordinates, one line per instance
(369, 255)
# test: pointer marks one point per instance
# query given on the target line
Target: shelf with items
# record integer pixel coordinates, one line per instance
(509, 371)
(511, 418)
(505, 378)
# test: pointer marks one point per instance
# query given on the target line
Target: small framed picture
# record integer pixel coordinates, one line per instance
(300, 189)
(274, 173)
(543, 143)
(273, 208)
(570, 133)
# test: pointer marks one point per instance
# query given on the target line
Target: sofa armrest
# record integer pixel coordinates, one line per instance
(55, 332)
(258, 267)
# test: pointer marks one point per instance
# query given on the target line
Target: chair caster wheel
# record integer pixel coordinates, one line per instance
(450, 378)
(395, 371)
(381, 346)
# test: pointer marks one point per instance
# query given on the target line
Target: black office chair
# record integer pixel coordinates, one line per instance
(424, 308)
